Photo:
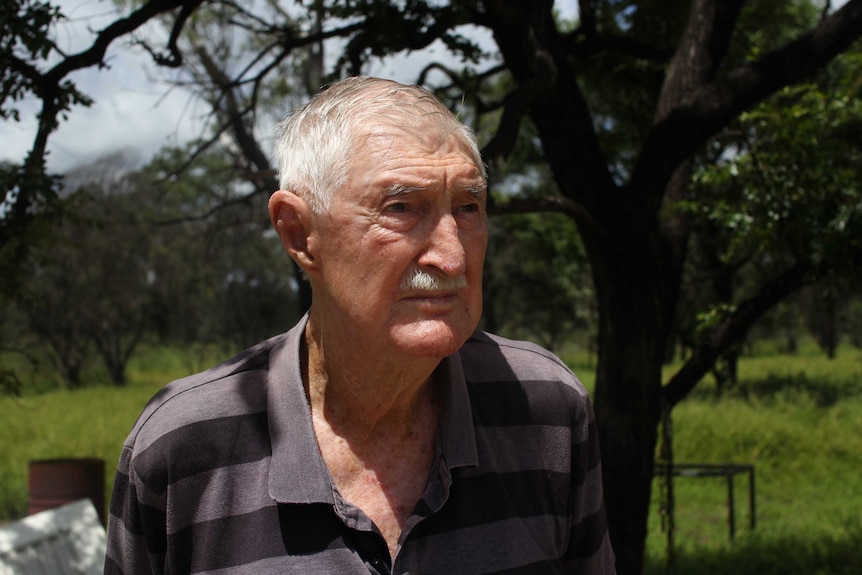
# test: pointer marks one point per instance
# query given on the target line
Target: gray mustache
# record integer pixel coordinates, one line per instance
(419, 280)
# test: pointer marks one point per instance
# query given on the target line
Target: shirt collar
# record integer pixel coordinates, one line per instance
(457, 435)
(297, 471)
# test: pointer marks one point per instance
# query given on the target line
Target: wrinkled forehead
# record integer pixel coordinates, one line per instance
(392, 139)
(411, 115)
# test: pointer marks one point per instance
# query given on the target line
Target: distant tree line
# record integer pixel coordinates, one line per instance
(143, 256)
(181, 255)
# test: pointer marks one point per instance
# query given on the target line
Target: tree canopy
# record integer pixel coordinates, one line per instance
(662, 125)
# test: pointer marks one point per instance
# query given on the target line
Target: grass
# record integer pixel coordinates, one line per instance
(88, 422)
(808, 489)
(797, 419)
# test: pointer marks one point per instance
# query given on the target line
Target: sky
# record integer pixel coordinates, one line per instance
(133, 108)
(134, 111)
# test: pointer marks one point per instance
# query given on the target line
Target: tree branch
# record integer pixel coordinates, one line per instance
(174, 59)
(689, 118)
(532, 48)
(94, 55)
(700, 52)
(235, 116)
(57, 94)
(556, 204)
(515, 106)
(733, 329)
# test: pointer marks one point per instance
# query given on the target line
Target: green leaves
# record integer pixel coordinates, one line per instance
(787, 177)
(25, 41)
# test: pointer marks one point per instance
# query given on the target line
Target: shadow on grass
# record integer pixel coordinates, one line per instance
(824, 392)
(793, 555)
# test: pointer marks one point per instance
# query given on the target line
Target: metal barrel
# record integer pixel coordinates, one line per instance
(56, 482)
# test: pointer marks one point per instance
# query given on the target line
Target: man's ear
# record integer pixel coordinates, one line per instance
(292, 219)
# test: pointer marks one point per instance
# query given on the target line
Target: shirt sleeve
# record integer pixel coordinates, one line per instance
(137, 538)
(590, 549)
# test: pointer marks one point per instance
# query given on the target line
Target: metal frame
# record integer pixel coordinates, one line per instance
(727, 470)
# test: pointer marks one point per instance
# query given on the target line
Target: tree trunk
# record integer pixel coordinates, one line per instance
(628, 417)
(635, 314)
(629, 266)
(633, 235)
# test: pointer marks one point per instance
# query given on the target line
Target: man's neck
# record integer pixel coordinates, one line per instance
(376, 429)
(362, 394)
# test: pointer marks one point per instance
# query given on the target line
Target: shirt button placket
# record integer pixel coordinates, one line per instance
(378, 566)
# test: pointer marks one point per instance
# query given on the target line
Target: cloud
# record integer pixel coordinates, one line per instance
(134, 110)
(131, 111)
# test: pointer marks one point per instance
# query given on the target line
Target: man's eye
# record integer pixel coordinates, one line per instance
(469, 208)
(398, 208)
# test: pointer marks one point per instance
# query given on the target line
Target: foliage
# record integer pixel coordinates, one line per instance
(151, 253)
(32, 65)
(85, 290)
(31, 227)
(536, 280)
(219, 276)
(779, 189)
(831, 314)
(623, 104)
(788, 182)
(26, 44)
(537, 287)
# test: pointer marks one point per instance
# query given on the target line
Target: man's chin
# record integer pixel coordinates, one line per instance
(433, 337)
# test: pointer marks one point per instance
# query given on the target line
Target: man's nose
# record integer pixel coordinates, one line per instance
(444, 249)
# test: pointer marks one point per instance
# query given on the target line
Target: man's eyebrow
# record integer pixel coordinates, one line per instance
(396, 190)
(476, 190)
(399, 189)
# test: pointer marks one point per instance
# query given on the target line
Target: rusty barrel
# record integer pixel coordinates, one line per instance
(56, 482)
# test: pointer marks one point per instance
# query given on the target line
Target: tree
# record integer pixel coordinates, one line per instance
(86, 289)
(536, 282)
(624, 102)
(634, 236)
(148, 253)
(785, 191)
(217, 273)
(32, 65)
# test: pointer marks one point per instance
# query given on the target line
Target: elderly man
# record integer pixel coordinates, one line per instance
(383, 433)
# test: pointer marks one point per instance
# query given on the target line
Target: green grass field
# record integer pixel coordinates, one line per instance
(89, 422)
(797, 419)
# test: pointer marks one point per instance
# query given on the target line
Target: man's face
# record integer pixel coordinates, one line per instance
(414, 200)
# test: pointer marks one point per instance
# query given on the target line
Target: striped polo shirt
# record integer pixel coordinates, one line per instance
(221, 474)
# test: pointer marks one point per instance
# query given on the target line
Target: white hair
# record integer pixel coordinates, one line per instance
(314, 142)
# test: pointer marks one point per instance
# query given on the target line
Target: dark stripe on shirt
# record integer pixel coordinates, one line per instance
(508, 403)
(204, 446)
(236, 540)
(585, 456)
(538, 568)
(588, 535)
(496, 497)
(138, 518)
